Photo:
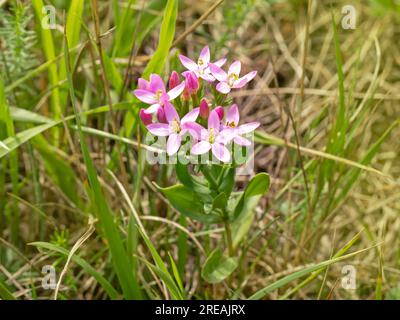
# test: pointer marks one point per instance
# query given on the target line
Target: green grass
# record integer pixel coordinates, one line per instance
(73, 153)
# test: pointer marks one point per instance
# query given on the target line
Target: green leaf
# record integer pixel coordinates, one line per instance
(188, 203)
(60, 171)
(175, 272)
(73, 26)
(120, 259)
(198, 184)
(298, 274)
(220, 202)
(20, 138)
(162, 270)
(167, 33)
(166, 278)
(48, 48)
(112, 293)
(5, 293)
(218, 267)
(227, 180)
(144, 20)
(268, 139)
(257, 186)
(243, 213)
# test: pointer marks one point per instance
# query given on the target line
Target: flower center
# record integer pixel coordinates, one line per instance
(175, 126)
(200, 62)
(212, 135)
(158, 94)
(232, 78)
(231, 124)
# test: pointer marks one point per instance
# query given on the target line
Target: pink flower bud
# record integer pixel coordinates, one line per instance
(161, 115)
(191, 82)
(220, 112)
(204, 109)
(146, 118)
(173, 80)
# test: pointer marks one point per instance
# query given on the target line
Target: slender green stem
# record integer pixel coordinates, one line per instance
(229, 241)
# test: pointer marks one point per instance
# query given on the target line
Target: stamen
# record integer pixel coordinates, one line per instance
(232, 78)
(175, 126)
(211, 135)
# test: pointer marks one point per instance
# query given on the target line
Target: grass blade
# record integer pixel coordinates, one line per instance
(120, 259)
(298, 274)
(112, 293)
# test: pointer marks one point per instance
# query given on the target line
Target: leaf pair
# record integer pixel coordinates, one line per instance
(209, 199)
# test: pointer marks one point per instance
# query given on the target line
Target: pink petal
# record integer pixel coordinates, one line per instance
(143, 84)
(242, 141)
(248, 127)
(159, 129)
(191, 116)
(240, 83)
(175, 92)
(164, 98)
(235, 68)
(194, 129)
(250, 76)
(233, 114)
(218, 73)
(208, 77)
(188, 63)
(156, 83)
(170, 112)
(221, 152)
(213, 121)
(226, 135)
(223, 87)
(220, 62)
(153, 108)
(205, 55)
(201, 147)
(173, 143)
(145, 96)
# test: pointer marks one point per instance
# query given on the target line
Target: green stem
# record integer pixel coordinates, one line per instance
(229, 241)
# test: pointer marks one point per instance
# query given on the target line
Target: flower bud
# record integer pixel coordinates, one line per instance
(161, 115)
(204, 109)
(191, 82)
(173, 80)
(220, 112)
(146, 118)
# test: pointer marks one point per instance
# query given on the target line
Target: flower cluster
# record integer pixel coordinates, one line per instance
(184, 109)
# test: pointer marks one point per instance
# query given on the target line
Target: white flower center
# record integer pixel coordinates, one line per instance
(175, 126)
(232, 78)
(158, 94)
(212, 135)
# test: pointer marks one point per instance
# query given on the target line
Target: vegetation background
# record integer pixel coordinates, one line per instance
(70, 193)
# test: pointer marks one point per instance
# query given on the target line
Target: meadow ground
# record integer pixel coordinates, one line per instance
(84, 215)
